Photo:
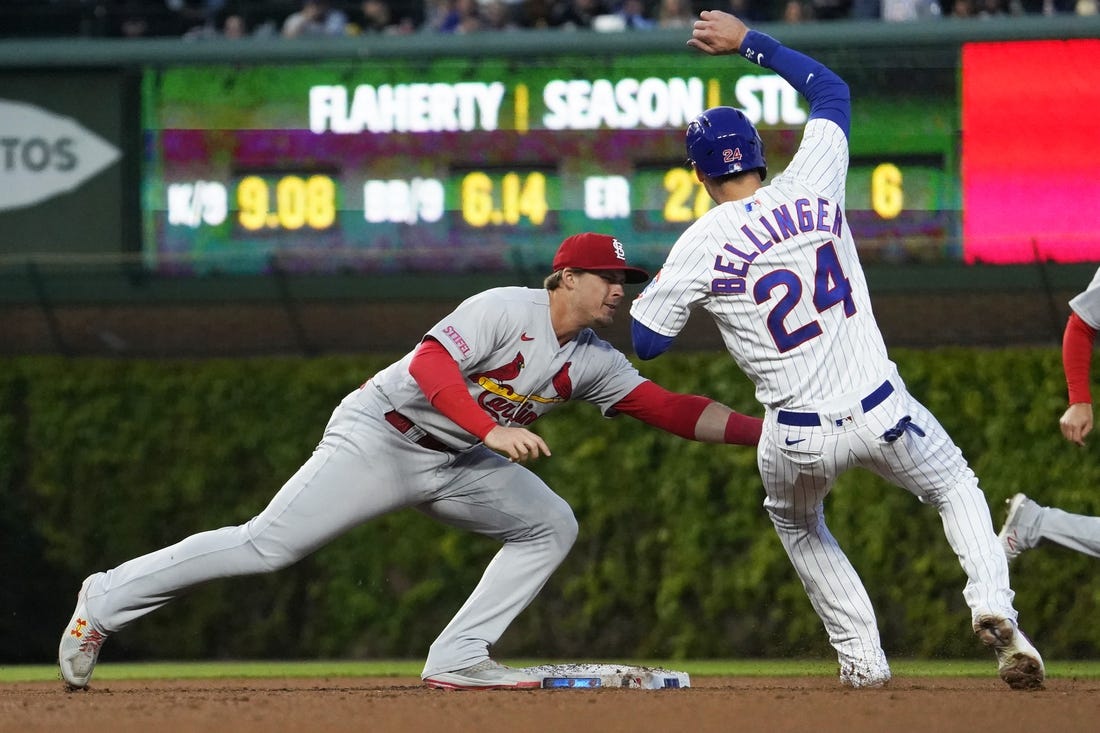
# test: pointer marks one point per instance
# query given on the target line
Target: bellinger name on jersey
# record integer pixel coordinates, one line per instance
(781, 224)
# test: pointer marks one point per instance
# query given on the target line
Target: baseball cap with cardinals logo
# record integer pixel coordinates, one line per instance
(596, 252)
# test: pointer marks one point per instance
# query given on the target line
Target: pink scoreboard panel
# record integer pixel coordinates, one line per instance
(1030, 152)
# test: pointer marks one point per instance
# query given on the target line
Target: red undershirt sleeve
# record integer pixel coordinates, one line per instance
(1077, 343)
(679, 413)
(743, 429)
(438, 375)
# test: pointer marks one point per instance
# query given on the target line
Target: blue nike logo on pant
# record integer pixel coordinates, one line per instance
(788, 441)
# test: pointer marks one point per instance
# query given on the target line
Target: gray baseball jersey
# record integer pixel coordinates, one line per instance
(780, 274)
(372, 461)
(505, 345)
(1076, 531)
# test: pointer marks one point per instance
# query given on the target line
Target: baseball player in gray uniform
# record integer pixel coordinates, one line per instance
(1028, 522)
(776, 267)
(444, 430)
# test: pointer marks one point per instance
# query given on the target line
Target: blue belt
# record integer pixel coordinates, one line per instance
(812, 419)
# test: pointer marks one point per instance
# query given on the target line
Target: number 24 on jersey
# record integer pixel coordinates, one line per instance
(786, 288)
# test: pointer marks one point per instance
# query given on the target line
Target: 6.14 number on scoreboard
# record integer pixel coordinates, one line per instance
(503, 199)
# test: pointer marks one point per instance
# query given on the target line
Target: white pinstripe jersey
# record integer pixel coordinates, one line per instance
(1087, 304)
(780, 275)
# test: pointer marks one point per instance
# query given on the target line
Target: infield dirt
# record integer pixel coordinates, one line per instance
(381, 705)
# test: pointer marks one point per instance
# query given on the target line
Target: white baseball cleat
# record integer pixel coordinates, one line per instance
(864, 677)
(80, 644)
(486, 675)
(1011, 537)
(1018, 661)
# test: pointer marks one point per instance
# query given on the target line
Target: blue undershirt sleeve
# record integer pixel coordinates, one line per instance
(826, 92)
(647, 342)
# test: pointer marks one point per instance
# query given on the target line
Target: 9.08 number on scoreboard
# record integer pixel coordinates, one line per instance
(263, 202)
(289, 202)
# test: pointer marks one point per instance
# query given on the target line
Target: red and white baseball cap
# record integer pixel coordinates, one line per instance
(589, 251)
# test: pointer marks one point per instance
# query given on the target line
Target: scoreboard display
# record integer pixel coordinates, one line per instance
(482, 164)
(1024, 206)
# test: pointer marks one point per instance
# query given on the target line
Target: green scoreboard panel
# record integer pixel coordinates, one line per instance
(487, 164)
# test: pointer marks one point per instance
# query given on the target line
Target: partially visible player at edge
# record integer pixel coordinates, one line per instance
(777, 269)
(1028, 523)
(443, 430)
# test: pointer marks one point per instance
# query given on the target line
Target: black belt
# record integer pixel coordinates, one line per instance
(812, 419)
(416, 434)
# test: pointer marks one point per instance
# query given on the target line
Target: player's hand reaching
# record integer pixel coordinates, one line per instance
(718, 33)
(1076, 422)
(518, 444)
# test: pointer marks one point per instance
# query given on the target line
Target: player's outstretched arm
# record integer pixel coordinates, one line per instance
(719, 33)
(690, 416)
(1077, 343)
(721, 424)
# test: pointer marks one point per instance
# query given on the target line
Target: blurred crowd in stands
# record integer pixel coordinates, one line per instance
(198, 19)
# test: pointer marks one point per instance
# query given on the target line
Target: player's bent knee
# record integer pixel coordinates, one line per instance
(962, 484)
(792, 518)
(561, 529)
(568, 529)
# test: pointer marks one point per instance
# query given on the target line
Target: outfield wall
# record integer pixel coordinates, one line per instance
(102, 460)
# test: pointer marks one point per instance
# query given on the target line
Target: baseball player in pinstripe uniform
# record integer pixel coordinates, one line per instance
(776, 267)
(443, 430)
(1028, 522)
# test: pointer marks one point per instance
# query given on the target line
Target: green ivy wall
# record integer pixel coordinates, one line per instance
(103, 460)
